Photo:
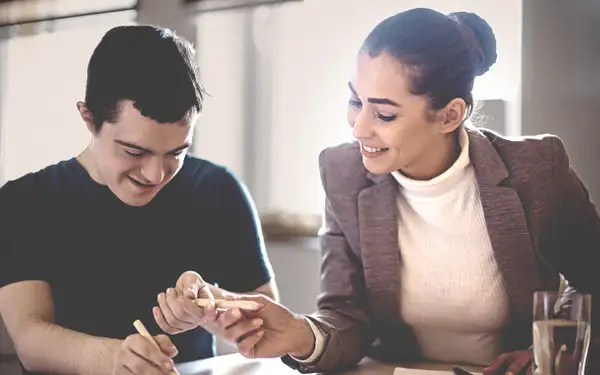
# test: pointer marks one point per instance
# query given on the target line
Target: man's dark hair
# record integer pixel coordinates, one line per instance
(442, 54)
(150, 66)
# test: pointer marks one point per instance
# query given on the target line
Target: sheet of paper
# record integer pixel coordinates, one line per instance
(410, 371)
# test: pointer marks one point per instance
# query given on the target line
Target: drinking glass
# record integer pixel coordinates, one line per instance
(561, 332)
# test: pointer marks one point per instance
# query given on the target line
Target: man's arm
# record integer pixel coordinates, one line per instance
(28, 313)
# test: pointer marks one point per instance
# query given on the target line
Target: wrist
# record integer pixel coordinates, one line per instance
(304, 338)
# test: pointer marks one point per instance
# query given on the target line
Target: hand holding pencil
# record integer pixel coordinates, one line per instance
(142, 354)
(141, 329)
(176, 311)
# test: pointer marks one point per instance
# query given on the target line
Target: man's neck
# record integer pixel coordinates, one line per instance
(88, 162)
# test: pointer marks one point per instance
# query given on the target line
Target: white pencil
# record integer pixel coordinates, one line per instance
(227, 304)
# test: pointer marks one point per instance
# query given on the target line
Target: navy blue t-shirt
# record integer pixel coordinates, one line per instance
(106, 261)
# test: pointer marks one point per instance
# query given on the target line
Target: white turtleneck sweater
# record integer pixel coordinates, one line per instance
(452, 294)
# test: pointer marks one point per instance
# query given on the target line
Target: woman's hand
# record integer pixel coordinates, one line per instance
(513, 363)
(276, 331)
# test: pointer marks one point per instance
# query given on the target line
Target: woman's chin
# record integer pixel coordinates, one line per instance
(376, 167)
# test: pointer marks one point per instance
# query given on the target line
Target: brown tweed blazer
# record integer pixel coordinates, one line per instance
(539, 218)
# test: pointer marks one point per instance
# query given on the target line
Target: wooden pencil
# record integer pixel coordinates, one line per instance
(139, 326)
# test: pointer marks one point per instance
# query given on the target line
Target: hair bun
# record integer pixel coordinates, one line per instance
(485, 38)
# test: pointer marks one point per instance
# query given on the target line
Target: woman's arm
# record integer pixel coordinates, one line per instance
(341, 316)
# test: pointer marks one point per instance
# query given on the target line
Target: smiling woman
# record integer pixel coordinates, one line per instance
(435, 234)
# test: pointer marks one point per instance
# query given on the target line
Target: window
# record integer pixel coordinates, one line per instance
(45, 77)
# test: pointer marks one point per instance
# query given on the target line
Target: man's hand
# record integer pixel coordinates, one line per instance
(513, 363)
(176, 311)
(272, 331)
(137, 355)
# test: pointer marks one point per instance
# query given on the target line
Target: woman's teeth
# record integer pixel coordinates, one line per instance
(373, 149)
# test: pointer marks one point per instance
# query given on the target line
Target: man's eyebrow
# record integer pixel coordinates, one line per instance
(146, 150)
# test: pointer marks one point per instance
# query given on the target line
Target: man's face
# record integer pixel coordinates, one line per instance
(137, 156)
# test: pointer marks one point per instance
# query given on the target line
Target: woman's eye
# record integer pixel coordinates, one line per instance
(386, 118)
(355, 103)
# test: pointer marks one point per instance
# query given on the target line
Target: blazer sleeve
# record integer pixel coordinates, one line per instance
(341, 315)
(578, 244)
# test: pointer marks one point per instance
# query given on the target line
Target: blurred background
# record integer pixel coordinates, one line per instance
(277, 73)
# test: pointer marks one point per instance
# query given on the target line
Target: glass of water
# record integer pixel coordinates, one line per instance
(561, 332)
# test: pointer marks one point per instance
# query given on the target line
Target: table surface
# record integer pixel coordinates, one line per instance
(235, 364)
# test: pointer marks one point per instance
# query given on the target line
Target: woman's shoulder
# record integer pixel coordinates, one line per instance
(341, 166)
(528, 154)
(346, 155)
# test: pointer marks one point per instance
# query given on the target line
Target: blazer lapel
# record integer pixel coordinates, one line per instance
(378, 230)
(506, 224)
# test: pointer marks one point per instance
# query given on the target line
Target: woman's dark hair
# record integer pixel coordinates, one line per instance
(442, 53)
(151, 66)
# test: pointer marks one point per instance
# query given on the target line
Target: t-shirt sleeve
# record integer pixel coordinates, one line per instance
(21, 254)
(244, 265)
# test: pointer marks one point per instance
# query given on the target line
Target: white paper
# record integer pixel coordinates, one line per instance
(410, 371)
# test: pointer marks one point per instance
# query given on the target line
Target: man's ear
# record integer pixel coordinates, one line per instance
(86, 116)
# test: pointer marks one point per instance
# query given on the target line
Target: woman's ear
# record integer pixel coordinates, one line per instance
(452, 115)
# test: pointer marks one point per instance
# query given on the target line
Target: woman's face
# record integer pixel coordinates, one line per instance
(396, 129)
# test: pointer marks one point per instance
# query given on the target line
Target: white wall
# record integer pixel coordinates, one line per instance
(221, 53)
(561, 80)
(45, 77)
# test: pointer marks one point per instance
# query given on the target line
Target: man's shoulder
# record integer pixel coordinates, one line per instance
(197, 169)
(202, 176)
(38, 183)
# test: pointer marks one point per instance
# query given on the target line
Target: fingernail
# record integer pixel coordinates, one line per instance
(257, 322)
(169, 365)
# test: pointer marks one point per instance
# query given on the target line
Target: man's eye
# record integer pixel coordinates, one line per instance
(135, 154)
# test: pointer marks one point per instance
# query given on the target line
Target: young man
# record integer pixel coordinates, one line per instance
(89, 245)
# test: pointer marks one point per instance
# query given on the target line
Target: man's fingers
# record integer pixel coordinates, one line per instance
(162, 322)
(149, 356)
(190, 284)
(170, 317)
(498, 366)
(121, 369)
(210, 311)
(166, 345)
(200, 314)
(247, 346)
(173, 302)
